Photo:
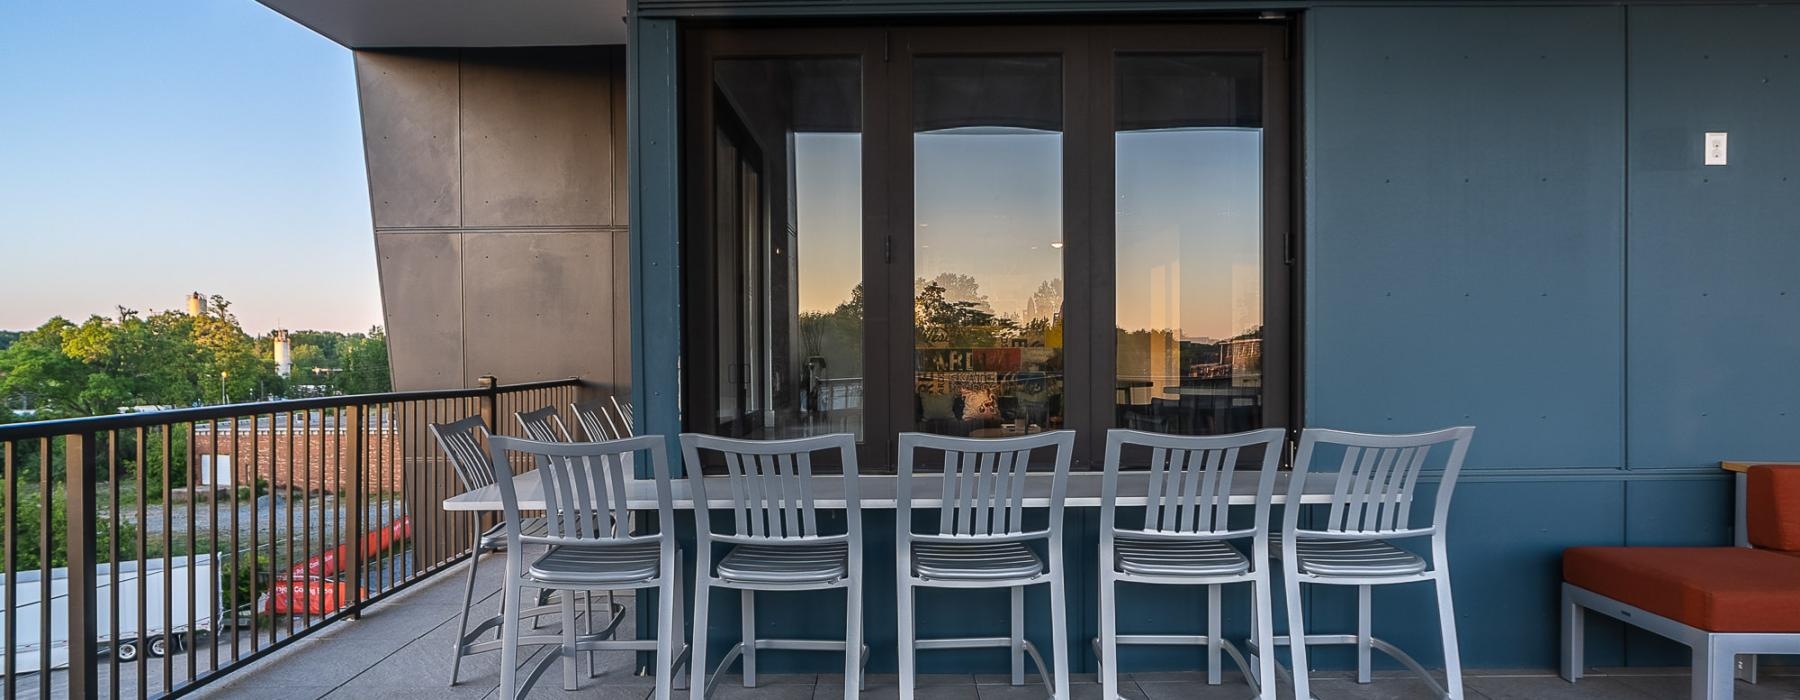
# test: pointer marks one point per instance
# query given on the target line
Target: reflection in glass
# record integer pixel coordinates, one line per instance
(1189, 240)
(988, 288)
(788, 247)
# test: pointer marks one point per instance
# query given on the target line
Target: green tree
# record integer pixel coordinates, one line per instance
(366, 364)
(30, 516)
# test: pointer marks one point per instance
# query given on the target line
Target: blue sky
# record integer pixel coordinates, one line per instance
(152, 149)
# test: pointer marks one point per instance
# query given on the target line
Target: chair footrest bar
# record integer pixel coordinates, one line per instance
(470, 645)
(964, 643)
(1237, 656)
(737, 650)
(1376, 643)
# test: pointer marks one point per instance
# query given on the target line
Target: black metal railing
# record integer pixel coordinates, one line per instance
(149, 554)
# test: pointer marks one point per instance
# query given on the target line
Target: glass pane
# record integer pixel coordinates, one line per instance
(988, 288)
(788, 247)
(1189, 236)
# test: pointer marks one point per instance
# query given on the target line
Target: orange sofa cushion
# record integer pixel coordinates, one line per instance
(1718, 589)
(1772, 505)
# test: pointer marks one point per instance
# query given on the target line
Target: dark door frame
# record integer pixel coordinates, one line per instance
(1088, 49)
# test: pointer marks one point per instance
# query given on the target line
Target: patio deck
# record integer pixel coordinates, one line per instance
(401, 649)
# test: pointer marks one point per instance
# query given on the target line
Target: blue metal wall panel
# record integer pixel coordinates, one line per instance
(1715, 300)
(1465, 228)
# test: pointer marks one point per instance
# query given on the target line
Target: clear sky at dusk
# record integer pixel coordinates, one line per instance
(152, 149)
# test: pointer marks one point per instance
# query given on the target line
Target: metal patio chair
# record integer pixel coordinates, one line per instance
(461, 442)
(596, 421)
(1371, 505)
(1185, 540)
(981, 542)
(544, 425)
(589, 547)
(776, 544)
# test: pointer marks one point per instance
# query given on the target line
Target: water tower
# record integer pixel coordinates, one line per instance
(196, 304)
(284, 354)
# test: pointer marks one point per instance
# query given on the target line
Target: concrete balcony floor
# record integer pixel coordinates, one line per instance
(401, 649)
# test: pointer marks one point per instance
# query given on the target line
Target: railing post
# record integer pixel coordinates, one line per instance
(84, 611)
(490, 409)
(359, 489)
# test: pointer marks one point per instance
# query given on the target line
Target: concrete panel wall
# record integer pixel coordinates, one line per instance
(495, 178)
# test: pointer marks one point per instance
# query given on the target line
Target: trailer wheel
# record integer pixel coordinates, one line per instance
(126, 650)
(179, 642)
(158, 647)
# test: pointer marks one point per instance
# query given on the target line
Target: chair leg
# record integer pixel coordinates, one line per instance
(1574, 639)
(588, 627)
(1109, 638)
(678, 640)
(1364, 632)
(1059, 627)
(1214, 607)
(571, 659)
(667, 617)
(1017, 646)
(749, 632)
(698, 665)
(509, 642)
(1296, 632)
(853, 636)
(1263, 626)
(1447, 622)
(907, 636)
(462, 624)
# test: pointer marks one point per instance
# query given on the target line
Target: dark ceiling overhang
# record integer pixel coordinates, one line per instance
(369, 24)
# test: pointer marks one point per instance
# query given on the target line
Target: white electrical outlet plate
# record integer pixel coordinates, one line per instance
(1715, 148)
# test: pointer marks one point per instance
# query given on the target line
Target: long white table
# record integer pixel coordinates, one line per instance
(877, 492)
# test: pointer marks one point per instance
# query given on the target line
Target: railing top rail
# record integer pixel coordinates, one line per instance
(122, 421)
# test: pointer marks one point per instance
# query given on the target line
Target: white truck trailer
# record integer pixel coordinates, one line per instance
(165, 630)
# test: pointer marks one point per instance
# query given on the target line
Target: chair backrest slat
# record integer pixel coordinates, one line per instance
(770, 482)
(594, 421)
(584, 484)
(983, 480)
(1378, 476)
(1190, 479)
(543, 425)
(627, 423)
(461, 442)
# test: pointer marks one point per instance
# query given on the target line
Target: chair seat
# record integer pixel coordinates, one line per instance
(597, 565)
(1350, 557)
(824, 562)
(975, 561)
(495, 538)
(1147, 557)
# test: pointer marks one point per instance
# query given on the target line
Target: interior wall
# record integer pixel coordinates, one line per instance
(497, 184)
(1509, 225)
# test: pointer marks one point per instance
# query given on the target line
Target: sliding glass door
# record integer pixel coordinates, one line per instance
(986, 232)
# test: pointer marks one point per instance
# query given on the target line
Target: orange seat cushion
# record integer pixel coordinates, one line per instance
(1772, 507)
(1718, 589)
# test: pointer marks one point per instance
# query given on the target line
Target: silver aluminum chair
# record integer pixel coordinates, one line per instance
(981, 542)
(544, 425)
(1185, 540)
(461, 441)
(776, 544)
(596, 421)
(589, 546)
(1372, 505)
